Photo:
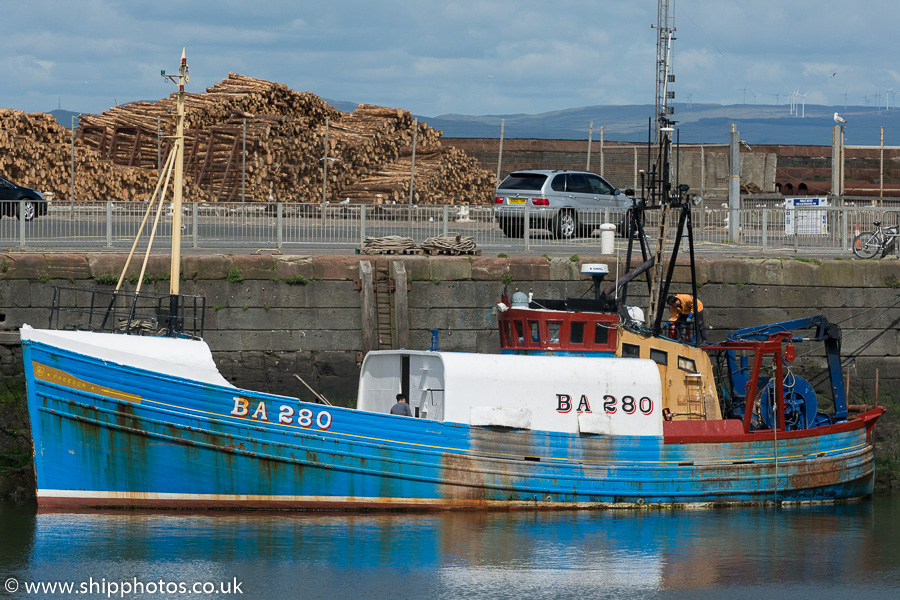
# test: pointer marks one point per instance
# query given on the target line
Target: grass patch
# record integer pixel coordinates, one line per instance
(295, 280)
(234, 275)
(106, 279)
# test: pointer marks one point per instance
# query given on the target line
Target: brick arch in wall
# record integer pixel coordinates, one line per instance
(793, 188)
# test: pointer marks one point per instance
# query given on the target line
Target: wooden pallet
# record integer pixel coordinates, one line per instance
(404, 251)
(449, 252)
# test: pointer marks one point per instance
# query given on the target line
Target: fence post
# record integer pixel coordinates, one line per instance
(279, 227)
(109, 205)
(362, 225)
(845, 242)
(21, 222)
(526, 227)
(765, 229)
(446, 219)
(195, 225)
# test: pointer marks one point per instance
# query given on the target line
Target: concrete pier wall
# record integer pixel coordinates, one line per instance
(269, 318)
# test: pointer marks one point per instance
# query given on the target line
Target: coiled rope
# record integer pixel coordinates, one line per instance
(450, 243)
(390, 243)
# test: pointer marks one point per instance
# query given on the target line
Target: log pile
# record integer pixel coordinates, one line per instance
(35, 151)
(368, 149)
(442, 176)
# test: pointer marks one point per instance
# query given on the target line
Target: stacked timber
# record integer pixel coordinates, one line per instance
(442, 176)
(275, 139)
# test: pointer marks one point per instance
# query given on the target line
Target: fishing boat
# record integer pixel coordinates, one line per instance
(588, 405)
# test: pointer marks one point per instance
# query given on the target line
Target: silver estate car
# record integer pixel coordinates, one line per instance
(567, 203)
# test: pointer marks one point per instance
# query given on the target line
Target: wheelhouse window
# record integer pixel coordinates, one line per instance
(535, 328)
(576, 332)
(601, 334)
(520, 335)
(631, 351)
(661, 357)
(687, 364)
(553, 330)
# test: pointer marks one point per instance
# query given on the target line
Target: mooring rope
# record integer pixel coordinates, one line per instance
(452, 242)
(390, 243)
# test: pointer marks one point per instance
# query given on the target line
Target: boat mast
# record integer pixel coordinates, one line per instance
(175, 273)
(178, 188)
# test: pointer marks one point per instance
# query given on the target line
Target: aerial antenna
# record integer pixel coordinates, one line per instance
(665, 35)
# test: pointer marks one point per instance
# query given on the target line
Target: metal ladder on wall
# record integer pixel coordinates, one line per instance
(384, 307)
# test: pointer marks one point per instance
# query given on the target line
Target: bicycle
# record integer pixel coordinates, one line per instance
(869, 243)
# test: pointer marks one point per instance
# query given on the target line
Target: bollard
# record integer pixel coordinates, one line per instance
(607, 238)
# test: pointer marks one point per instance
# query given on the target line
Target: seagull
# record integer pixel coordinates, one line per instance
(832, 75)
(839, 119)
(746, 145)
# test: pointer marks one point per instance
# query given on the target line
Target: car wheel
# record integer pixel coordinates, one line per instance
(512, 228)
(25, 210)
(565, 225)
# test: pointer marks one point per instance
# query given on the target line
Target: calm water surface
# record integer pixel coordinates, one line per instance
(850, 551)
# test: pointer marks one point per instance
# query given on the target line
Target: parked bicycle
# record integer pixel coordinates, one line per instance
(868, 243)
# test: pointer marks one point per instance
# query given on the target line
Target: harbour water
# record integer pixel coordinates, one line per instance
(846, 551)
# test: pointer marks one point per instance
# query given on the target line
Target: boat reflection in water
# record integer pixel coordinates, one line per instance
(812, 550)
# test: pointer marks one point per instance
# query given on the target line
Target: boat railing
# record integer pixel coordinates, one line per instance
(135, 313)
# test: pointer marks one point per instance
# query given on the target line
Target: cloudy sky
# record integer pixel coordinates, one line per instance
(473, 57)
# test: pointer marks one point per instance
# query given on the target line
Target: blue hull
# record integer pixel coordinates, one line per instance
(109, 435)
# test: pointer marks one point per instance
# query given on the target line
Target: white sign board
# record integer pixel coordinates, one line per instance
(806, 221)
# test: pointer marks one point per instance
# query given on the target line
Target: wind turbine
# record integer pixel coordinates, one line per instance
(803, 116)
(794, 95)
(744, 89)
(845, 97)
(887, 105)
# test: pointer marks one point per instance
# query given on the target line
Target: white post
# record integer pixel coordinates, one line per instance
(500, 152)
(590, 136)
(412, 168)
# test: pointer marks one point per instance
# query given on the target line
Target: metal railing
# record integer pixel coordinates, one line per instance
(341, 227)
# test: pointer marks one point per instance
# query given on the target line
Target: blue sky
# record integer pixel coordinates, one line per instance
(468, 57)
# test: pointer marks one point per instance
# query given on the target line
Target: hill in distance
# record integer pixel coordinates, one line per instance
(695, 123)
(698, 123)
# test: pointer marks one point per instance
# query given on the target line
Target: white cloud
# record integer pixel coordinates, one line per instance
(464, 56)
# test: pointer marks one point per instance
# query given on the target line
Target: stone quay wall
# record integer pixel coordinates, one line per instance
(271, 317)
